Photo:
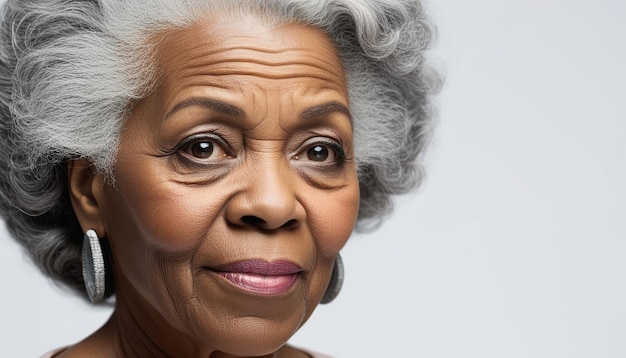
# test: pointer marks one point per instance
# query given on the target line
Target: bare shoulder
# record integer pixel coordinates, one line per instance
(54, 353)
(79, 350)
(71, 351)
(95, 346)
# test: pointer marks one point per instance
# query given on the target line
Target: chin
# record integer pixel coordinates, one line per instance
(250, 336)
(254, 345)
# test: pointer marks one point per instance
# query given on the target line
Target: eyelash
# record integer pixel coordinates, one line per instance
(181, 148)
(341, 153)
(197, 138)
(337, 148)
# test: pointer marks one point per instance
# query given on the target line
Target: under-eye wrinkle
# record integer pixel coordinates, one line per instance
(326, 172)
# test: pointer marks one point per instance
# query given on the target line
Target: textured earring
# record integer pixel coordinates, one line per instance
(336, 281)
(93, 266)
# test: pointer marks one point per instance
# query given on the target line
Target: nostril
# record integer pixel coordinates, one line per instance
(252, 220)
(289, 223)
(257, 221)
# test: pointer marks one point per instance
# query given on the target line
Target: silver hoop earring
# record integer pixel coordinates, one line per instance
(93, 266)
(336, 281)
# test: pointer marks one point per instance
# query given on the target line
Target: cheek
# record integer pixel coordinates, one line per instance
(174, 221)
(333, 217)
(331, 220)
(155, 231)
(166, 217)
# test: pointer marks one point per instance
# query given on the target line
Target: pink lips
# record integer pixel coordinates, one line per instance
(258, 276)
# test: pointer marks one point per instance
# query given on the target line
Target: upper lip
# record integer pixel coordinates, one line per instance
(261, 267)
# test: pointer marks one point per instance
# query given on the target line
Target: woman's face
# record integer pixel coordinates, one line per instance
(235, 186)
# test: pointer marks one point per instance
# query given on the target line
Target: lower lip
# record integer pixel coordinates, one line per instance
(261, 284)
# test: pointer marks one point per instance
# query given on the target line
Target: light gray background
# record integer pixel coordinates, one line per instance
(514, 246)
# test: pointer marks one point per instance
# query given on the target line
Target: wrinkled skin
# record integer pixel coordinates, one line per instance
(243, 152)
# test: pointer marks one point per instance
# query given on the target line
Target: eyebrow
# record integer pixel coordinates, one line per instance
(238, 113)
(324, 109)
(218, 106)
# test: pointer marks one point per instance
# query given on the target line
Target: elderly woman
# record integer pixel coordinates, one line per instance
(205, 161)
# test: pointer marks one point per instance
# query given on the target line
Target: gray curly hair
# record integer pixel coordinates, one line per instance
(71, 70)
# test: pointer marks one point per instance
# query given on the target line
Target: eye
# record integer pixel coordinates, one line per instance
(323, 152)
(201, 150)
(204, 147)
(317, 153)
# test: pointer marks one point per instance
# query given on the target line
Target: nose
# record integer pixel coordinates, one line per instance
(268, 200)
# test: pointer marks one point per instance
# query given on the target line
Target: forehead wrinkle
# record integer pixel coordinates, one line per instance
(244, 67)
(213, 50)
(207, 80)
(218, 54)
(239, 60)
(287, 53)
(273, 75)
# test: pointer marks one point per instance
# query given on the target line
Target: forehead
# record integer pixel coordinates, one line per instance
(231, 46)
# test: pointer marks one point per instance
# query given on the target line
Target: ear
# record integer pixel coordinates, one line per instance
(86, 187)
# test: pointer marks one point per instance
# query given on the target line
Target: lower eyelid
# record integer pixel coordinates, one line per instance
(188, 165)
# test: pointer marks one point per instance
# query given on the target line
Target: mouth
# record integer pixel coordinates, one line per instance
(261, 277)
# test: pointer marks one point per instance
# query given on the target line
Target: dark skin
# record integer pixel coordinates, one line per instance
(243, 152)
